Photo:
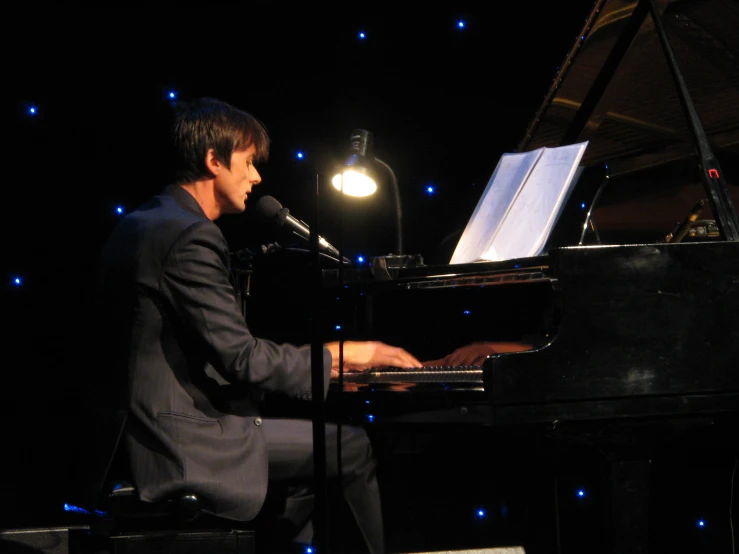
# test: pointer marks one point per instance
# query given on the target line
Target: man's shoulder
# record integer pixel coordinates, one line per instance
(156, 225)
(163, 214)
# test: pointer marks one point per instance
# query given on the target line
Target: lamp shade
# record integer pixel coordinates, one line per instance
(357, 176)
(355, 180)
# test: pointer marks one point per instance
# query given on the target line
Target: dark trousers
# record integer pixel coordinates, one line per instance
(290, 450)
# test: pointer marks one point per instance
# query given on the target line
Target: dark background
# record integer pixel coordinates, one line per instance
(443, 103)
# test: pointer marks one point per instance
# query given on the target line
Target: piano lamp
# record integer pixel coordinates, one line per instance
(359, 176)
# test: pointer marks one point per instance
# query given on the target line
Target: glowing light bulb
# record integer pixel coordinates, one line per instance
(354, 183)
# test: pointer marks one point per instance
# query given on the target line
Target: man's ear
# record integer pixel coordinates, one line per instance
(212, 163)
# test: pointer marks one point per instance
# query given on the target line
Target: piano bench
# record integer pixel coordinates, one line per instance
(177, 525)
(124, 504)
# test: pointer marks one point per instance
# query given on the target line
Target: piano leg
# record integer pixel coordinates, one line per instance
(629, 506)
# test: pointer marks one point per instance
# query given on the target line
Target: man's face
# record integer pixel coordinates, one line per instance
(232, 186)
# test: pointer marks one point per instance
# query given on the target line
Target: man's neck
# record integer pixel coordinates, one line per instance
(202, 191)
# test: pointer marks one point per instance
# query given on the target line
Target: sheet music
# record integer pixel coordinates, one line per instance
(520, 205)
(504, 185)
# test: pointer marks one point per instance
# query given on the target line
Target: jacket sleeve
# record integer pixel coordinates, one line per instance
(195, 281)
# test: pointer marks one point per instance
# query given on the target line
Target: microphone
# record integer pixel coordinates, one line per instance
(684, 228)
(270, 209)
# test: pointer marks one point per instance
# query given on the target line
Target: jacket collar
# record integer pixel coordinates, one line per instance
(184, 199)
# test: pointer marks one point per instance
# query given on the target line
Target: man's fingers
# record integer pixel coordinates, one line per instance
(366, 355)
(401, 358)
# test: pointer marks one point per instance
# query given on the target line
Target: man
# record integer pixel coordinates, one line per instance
(195, 373)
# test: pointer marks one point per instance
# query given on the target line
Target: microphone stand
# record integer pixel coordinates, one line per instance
(341, 260)
(320, 515)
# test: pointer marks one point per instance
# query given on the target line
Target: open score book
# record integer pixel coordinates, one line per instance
(520, 205)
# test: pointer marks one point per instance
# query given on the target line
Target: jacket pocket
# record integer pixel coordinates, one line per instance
(179, 423)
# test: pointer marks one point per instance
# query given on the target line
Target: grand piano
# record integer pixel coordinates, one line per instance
(624, 333)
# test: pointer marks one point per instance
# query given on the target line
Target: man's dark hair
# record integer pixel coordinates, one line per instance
(209, 123)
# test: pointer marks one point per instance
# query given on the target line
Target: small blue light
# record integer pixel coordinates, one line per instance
(370, 418)
(460, 24)
(361, 35)
(72, 508)
(517, 266)
(701, 523)
(466, 312)
(119, 210)
(430, 190)
(481, 513)
(581, 493)
(338, 327)
(299, 155)
(32, 110)
(17, 281)
(172, 95)
(366, 401)
(582, 205)
(309, 550)
(360, 259)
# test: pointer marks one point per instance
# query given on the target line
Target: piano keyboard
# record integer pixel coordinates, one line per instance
(431, 374)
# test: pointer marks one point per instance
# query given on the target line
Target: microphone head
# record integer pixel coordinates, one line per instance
(269, 209)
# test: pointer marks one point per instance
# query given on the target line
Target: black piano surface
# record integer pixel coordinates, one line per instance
(630, 340)
(654, 322)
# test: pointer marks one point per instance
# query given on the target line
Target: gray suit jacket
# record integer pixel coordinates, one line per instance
(193, 373)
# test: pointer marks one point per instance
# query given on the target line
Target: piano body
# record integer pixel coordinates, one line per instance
(631, 339)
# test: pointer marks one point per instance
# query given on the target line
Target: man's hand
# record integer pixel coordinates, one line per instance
(363, 355)
(474, 354)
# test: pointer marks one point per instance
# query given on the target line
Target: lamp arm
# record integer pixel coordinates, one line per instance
(398, 209)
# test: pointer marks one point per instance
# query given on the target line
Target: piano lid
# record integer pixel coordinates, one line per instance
(637, 122)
